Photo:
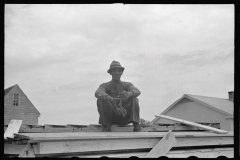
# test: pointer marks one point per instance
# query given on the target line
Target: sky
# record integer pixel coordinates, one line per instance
(59, 54)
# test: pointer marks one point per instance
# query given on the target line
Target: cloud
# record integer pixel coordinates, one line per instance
(59, 54)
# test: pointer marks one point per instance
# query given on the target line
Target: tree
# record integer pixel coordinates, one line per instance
(144, 123)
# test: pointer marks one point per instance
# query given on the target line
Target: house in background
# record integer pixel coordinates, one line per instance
(18, 106)
(214, 112)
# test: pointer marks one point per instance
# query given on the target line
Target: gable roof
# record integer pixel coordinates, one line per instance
(6, 91)
(220, 104)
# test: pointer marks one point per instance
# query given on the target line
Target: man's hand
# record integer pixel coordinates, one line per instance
(112, 101)
(119, 110)
(126, 95)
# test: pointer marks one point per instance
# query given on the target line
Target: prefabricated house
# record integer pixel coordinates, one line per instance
(215, 112)
(18, 106)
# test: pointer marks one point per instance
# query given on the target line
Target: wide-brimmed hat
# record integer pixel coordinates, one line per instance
(115, 64)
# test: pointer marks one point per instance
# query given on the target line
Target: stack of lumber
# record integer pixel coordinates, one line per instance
(122, 144)
(50, 128)
(88, 141)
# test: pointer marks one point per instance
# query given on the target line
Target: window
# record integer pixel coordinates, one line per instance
(15, 99)
(215, 125)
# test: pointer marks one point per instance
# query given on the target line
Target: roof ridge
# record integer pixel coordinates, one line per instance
(10, 87)
(7, 90)
(205, 96)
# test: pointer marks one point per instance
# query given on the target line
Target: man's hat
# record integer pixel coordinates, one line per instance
(115, 64)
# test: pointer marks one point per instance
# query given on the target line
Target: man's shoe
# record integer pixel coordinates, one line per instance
(137, 127)
(106, 128)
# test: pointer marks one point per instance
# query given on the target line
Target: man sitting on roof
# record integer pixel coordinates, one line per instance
(117, 101)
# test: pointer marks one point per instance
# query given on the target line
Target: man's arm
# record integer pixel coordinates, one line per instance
(101, 92)
(132, 90)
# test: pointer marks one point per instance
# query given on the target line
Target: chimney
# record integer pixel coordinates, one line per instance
(231, 96)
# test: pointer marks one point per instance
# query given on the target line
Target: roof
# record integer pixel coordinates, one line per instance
(8, 89)
(222, 104)
(219, 104)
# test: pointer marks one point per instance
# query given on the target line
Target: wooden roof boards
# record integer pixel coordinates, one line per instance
(87, 142)
(112, 135)
(77, 125)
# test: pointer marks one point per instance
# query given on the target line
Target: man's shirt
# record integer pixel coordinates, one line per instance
(114, 88)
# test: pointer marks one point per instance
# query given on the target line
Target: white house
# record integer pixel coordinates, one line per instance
(215, 112)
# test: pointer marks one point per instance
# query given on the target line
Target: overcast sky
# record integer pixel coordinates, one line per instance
(59, 54)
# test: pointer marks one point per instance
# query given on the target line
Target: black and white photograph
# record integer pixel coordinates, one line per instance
(119, 80)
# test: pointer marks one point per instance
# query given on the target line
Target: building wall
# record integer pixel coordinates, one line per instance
(24, 111)
(227, 124)
(195, 112)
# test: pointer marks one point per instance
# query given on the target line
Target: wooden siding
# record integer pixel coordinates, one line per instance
(195, 112)
(227, 124)
(24, 111)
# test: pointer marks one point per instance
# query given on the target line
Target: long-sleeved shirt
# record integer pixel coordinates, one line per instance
(114, 88)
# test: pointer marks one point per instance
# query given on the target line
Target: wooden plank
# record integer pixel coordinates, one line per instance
(76, 125)
(48, 130)
(54, 126)
(12, 128)
(76, 129)
(85, 141)
(50, 143)
(27, 151)
(203, 141)
(13, 148)
(181, 142)
(84, 145)
(50, 147)
(192, 124)
(115, 135)
(27, 126)
(113, 155)
(34, 126)
(163, 146)
(114, 128)
(202, 153)
(174, 128)
(91, 135)
(82, 128)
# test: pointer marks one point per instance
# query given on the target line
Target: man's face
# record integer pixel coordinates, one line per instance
(116, 73)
